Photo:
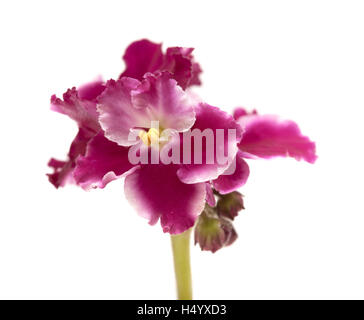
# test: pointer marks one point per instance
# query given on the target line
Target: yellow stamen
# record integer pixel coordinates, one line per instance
(143, 136)
(150, 137)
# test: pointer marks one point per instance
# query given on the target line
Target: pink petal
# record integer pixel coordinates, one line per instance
(63, 170)
(179, 61)
(117, 113)
(104, 161)
(79, 105)
(127, 104)
(228, 183)
(241, 112)
(196, 71)
(90, 91)
(165, 102)
(267, 136)
(141, 57)
(180, 67)
(156, 192)
(81, 110)
(144, 56)
(208, 117)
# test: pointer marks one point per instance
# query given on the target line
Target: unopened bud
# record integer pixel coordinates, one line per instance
(230, 204)
(213, 232)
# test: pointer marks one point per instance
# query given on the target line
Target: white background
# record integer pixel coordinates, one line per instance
(301, 235)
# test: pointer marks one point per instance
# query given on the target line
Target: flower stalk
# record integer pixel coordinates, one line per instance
(182, 266)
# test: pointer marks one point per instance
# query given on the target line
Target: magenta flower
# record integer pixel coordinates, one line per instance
(146, 128)
(127, 105)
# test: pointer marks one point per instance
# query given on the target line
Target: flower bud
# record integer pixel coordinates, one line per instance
(213, 232)
(230, 204)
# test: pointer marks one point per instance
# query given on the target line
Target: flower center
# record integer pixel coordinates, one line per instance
(150, 137)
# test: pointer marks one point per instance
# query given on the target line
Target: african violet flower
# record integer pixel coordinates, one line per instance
(138, 127)
(128, 104)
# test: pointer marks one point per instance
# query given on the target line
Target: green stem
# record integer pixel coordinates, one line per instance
(182, 268)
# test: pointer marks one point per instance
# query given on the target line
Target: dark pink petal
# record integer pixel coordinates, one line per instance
(162, 100)
(156, 192)
(179, 62)
(267, 136)
(228, 183)
(180, 67)
(82, 111)
(144, 56)
(211, 118)
(90, 91)
(79, 105)
(241, 112)
(196, 71)
(117, 113)
(210, 198)
(63, 170)
(141, 57)
(104, 161)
